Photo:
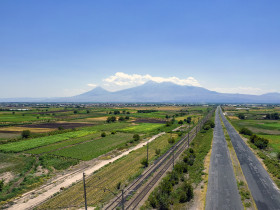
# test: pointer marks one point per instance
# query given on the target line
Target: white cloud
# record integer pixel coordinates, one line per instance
(121, 80)
(241, 90)
(92, 85)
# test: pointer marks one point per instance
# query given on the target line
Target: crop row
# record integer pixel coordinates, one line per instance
(42, 141)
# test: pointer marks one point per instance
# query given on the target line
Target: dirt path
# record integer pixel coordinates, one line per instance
(33, 198)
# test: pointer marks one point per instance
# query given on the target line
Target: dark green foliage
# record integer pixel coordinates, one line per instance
(180, 122)
(273, 116)
(144, 162)
(25, 134)
(157, 151)
(60, 128)
(189, 119)
(246, 131)
(88, 111)
(185, 193)
(75, 112)
(111, 119)
(118, 185)
(146, 111)
(136, 137)
(278, 155)
(241, 116)
(121, 118)
(127, 117)
(103, 134)
(171, 140)
(116, 112)
(1, 185)
(260, 142)
(209, 124)
(113, 132)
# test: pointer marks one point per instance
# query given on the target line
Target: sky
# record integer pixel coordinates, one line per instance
(63, 48)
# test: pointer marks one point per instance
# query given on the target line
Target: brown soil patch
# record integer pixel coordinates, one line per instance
(96, 119)
(7, 177)
(20, 129)
(53, 125)
(148, 120)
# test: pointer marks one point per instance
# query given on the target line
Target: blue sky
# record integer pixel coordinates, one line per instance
(62, 48)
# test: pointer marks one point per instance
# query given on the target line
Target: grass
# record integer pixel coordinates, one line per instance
(274, 141)
(142, 128)
(42, 141)
(59, 145)
(121, 170)
(93, 149)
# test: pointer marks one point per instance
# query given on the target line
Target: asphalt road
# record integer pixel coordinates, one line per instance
(222, 192)
(263, 189)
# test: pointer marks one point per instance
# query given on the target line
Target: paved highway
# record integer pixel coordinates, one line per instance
(263, 189)
(222, 192)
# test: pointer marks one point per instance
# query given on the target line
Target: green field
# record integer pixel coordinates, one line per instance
(142, 128)
(122, 170)
(274, 141)
(93, 149)
(42, 141)
(62, 144)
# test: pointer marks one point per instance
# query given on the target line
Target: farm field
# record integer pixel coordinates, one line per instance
(120, 171)
(93, 149)
(61, 137)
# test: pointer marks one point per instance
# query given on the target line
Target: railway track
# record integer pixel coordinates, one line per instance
(158, 169)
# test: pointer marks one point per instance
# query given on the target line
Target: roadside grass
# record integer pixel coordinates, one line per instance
(93, 149)
(123, 170)
(56, 146)
(42, 141)
(142, 128)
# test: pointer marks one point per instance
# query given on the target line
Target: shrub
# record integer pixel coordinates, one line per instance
(136, 137)
(157, 151)
(121, 118)
(60, 128)
(103, 134)
(1, 185)
(25, 134)
(180, 122)
(241, 116)
(144, 162)
(278, 155)
(171, 140)
(246, 131)
(260, 142)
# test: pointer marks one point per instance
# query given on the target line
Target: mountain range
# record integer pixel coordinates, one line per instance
(164, 92)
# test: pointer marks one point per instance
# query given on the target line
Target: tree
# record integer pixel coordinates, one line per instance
(189, 119)
(116, 112)
(278, 155)
(136, 137)
(121, 118)
(127, 117)
(75, 112)
(60, 128)
(103, 134)
(88, 111)
(25, 134)
(241, 116)
(180, 122)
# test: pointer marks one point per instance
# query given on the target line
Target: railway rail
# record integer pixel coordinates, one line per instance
(158, 169)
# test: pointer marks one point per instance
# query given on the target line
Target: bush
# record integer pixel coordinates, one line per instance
(121, 118)
(111, 119)
(278, 155)
(25, 134)
(241, 116)
(144, 162)
(113, 132)
(1, 185)
(103, 134)
(157, 151)
(136, 137)
(260, 142)
(246, 131)
(180, 122)
(171, 140)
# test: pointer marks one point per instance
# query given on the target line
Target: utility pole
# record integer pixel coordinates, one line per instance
(85, 193)
(173, 157)
(122, 201)
(188, 139)
(148, 153)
